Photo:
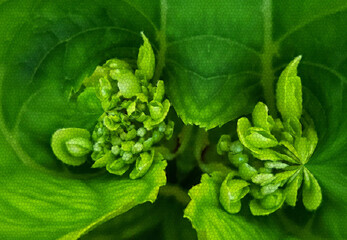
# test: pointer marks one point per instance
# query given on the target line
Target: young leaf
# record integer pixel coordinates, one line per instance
(288, 92)
(71, 145)
(260, 116)
(231, 192)
(267, 205)
(146, 59)
(311, 193)
(261, 138)
(291, 191)
(128, 83)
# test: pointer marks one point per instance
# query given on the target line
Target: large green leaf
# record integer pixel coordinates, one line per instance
(46, 50)
(40, 205)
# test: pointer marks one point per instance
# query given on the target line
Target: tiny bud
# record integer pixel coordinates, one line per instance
(237, 159)
(115, 150)
(236, 147)
(137, 148)
(141, 132)
(162, 127)
(127, 157)
(223, 144)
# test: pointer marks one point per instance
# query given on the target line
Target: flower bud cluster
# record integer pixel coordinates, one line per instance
(269, 157)
(134, 116)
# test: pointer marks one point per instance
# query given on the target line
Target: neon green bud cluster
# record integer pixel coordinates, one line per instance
(271, 154)
(134, 115)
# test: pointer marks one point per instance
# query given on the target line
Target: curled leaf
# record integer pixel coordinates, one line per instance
(260, 116)
(268, 204)
(71, 153)
(231, 192)
(143, 163)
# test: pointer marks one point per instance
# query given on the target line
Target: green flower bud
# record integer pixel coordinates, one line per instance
(223, 144)
(236, 147)
(169, 129)
(162, 127)
(137, 148)
(237, 159)
(157, 136)
(115, 150)
(141, 132)
(128, 157)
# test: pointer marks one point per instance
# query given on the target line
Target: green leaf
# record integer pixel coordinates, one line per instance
(211, 221)
(128, 83)
(88, 102)
(291, 191)
(65, 148)
(146, 59)
(260, 116)
(243, 125)
(311, 193)
(267, 205)
(260, 138)
(288, 93)
(47, 201)
(231, 192)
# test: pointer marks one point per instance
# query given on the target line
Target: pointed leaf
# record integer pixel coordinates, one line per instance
(288, 93)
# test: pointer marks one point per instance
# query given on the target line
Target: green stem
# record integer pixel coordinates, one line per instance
(268, 75)
(175, 191)
(161, 35)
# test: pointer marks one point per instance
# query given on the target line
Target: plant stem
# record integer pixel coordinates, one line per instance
(175, 191)
(268, 76)
(161, 37)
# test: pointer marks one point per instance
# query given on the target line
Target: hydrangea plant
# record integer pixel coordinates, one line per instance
(208, 127)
